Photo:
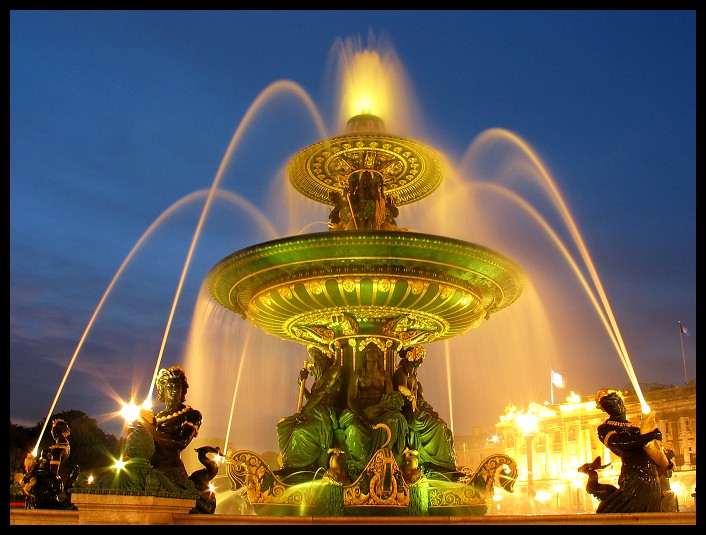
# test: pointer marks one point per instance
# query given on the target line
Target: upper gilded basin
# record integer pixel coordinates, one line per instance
(415, 287)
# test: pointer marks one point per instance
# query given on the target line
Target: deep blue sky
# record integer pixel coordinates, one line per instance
(117, 115)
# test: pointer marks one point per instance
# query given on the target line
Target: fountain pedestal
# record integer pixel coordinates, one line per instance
(134, 494)
(127, 509)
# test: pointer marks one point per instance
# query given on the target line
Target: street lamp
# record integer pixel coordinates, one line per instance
(528, 423)
(530, 466)
(579, 484)
(557, 489)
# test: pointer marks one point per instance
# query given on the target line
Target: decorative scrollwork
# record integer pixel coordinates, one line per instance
(484, 477)
(381, 483)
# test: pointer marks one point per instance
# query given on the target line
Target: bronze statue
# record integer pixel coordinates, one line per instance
(42, 483)
(172, 428)
(643, 485)
(61, 448)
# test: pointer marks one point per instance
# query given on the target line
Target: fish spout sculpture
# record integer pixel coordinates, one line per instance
(600, 491)
(206, 501)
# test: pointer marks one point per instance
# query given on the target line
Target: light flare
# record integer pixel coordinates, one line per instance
(527, 422)
(131, 411)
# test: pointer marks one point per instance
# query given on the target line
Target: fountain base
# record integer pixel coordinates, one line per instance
(380, 490)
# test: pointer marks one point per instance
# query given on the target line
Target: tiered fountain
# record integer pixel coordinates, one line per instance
(366, 283)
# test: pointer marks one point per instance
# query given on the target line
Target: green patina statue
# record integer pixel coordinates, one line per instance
(305, 437)
(373, 417)
(378, 409)
(428, 433)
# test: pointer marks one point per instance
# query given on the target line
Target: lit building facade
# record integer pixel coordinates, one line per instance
(550, 442)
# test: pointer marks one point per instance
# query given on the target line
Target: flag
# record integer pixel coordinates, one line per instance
(684, 330)
(557, 379)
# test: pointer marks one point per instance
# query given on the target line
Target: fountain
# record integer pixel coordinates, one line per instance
(367, 286)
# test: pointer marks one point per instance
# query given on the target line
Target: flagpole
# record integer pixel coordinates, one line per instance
(683, 358)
